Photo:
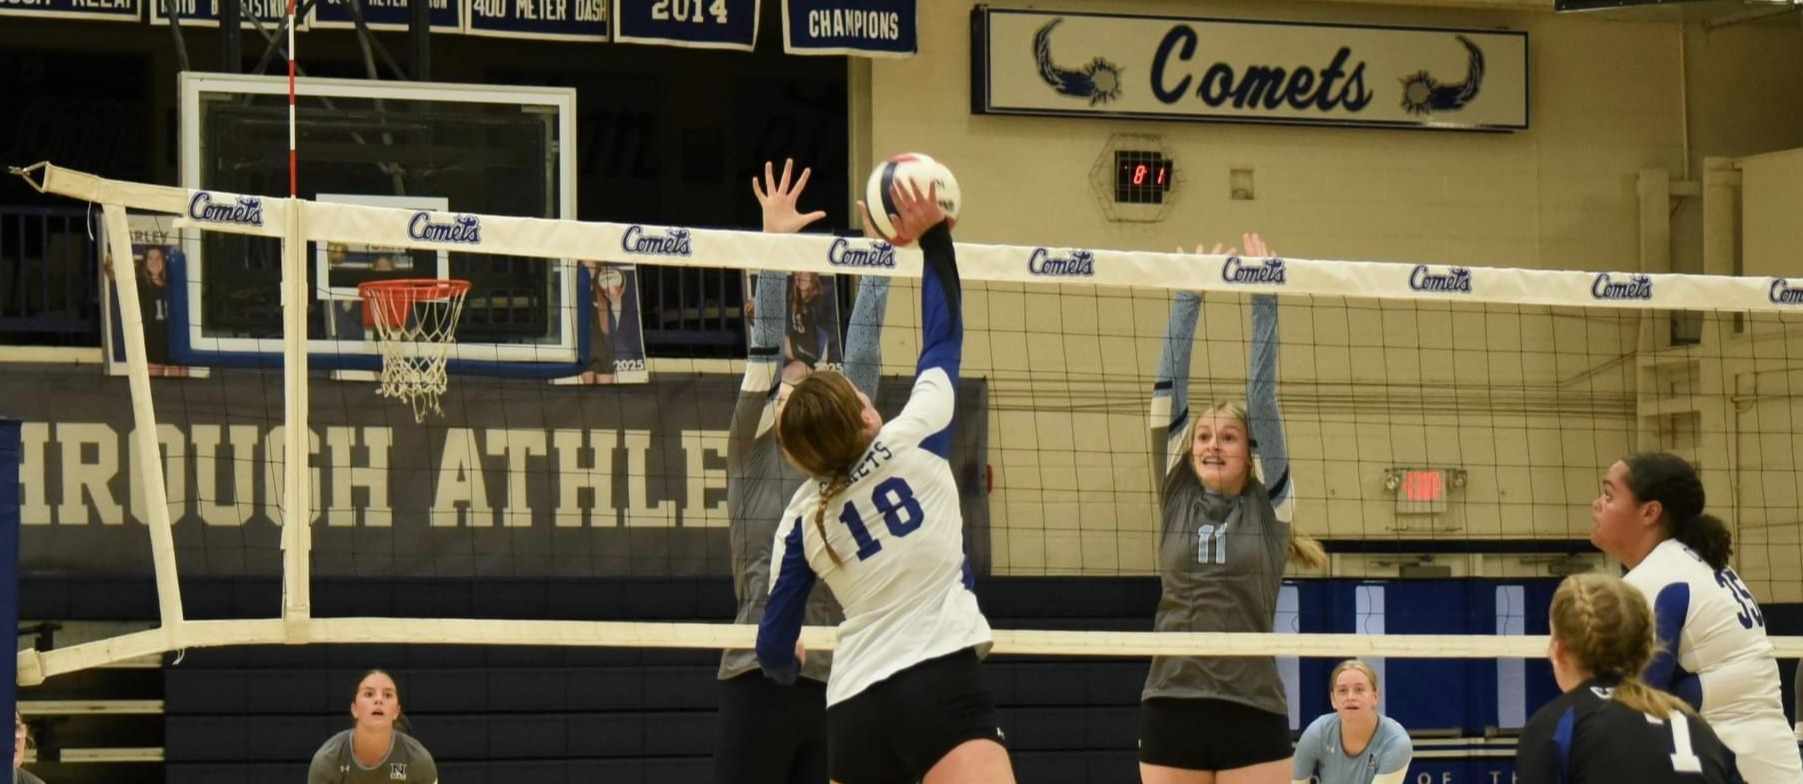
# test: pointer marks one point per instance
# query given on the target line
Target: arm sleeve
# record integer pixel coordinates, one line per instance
(1261, 403)
(1170, 388)
(1303, 764)
(933, 399)
(762, 362)
(864, 341)
(781, 625)
(1670, 607)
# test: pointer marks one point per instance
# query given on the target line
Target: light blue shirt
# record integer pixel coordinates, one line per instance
(1319, 753)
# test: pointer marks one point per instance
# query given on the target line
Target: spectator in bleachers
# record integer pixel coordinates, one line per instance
(1354, 744)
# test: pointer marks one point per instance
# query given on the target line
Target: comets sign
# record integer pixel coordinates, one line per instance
(1045, 63)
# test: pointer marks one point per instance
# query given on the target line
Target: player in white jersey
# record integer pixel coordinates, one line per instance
(1714, 653)
(880, 523)
(765, 732)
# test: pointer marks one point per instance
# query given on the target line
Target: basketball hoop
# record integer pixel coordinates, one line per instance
(415, 321)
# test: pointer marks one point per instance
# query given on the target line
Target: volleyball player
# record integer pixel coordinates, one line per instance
(766, 733)
(1226, 537)
(373, 751)
(880, 523)
(1354, 744)
(21, 736)
(1714, 652)
(1610, 726)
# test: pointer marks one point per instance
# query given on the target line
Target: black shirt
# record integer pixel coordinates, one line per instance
(1587, 736)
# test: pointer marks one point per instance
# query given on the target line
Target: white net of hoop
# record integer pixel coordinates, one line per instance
(416, 323)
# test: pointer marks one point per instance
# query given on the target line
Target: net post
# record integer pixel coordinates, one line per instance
(144, 434)
(297, 512)
(10, 447)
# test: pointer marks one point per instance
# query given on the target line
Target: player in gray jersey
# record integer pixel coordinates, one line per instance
(768, 733)
(373, 751)
(1226, 537)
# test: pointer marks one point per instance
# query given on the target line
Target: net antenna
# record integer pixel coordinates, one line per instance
(415, 321)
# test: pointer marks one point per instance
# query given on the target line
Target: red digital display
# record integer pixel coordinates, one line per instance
(1141, 177)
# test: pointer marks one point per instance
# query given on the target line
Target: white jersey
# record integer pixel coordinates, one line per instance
(899, 534)
(1716, 656)
(897, 528)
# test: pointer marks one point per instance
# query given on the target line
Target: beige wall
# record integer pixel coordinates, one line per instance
(1534, 404)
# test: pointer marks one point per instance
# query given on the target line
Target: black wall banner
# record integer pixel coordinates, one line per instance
(519, 479)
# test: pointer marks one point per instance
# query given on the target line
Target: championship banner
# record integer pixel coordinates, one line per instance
(698, 24)
(545, 20)
(113, 10)
(1169, 68)
(523, 480)
(205, 13)
(392, 15)
(865, 28)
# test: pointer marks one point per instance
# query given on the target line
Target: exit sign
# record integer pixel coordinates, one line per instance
(1419, 490)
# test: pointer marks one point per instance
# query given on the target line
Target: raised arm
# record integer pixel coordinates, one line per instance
(1264, 415)
(864, 341)
(934, 397)
(1170, 388)
(763, 362)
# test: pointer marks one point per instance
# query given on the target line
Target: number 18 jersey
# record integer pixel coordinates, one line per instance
(899, 534)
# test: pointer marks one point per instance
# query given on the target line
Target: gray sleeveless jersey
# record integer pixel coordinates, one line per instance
(1221, 564)
(407, 762)
(759, 483)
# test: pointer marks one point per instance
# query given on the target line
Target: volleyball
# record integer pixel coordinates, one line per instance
(923, 171)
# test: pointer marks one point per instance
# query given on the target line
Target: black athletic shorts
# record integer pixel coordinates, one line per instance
(897, 730)
(1214, 735)
(768, 733)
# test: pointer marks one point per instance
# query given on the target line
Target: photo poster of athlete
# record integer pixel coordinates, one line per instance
(811, 335)
(159, 264)
(616, 340)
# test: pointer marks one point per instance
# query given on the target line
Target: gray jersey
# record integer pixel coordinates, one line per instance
(759, 483)
(23, 776)
(1221, 559)
(407, 762)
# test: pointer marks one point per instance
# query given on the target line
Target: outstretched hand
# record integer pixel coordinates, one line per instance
(778, 197)
(1255, 248)
(915, 212)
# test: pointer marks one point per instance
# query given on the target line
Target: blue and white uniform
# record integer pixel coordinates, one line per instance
(898, 530)
(1715, 655)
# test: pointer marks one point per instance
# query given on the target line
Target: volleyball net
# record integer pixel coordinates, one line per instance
(1438, 421)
